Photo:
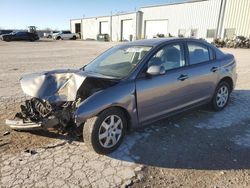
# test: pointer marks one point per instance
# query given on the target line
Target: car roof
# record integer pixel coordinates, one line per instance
(158, 41)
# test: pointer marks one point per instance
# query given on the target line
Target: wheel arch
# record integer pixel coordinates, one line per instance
(229, 80)
(126, 113)
(119, 96)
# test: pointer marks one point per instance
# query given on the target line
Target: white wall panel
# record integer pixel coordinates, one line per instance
(201, 15)
(127, 29)
(237, 15)
(72, 24)
(117, 25)
(154, 27)
(104, 27)
(91, 27)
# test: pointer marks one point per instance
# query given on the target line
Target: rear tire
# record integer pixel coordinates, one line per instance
(221, 96)
(74, 38)
(58, 38)
(104, 133)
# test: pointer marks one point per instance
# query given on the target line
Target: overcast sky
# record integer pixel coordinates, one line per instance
(55, 14)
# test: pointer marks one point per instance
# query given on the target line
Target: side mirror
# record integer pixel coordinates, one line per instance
(155, 70)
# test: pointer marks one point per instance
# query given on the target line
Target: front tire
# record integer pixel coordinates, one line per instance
(6, 39)
(104, 133)
(32, 39)
(221, 96)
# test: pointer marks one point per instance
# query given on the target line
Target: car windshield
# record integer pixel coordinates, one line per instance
(118, 61)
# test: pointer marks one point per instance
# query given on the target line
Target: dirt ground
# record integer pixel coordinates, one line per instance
(198, 148)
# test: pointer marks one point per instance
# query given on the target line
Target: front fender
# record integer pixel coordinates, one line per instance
(121, 95)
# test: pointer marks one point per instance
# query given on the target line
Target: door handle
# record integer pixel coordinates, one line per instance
(183, 77)
(214, 69)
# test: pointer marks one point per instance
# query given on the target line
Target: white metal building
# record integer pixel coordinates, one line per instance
(185, 19)
(201, 18)
(126, 27)
(91, 27)
(235, 18)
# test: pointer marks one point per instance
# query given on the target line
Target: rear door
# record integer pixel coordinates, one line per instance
(202, 71)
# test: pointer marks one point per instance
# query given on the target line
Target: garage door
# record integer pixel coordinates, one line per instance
(127, 30)
(104, 28)
(154, 27)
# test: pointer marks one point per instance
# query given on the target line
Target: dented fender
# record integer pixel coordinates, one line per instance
(122, 95)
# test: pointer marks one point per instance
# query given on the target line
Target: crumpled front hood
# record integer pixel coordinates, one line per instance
(53, 86)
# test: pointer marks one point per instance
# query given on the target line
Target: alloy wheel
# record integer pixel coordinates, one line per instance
(110, 131)
(222, 96)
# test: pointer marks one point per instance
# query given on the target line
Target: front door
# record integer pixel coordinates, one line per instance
(161, 94)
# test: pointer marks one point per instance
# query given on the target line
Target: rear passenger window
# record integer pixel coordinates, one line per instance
(197, 53)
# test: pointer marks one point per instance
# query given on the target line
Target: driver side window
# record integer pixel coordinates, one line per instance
(170, 57)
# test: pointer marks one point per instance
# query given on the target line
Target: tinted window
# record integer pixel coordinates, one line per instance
(197, 53)
(66, 32)
(170, 57)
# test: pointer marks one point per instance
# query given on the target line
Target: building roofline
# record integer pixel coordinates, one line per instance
(124, 13)
(75, 19)
(96, 17)
(169, 4)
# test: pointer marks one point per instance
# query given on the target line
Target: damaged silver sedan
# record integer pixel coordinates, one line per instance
(125, 87)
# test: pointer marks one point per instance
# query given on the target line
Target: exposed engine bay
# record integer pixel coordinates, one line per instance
(55, 97)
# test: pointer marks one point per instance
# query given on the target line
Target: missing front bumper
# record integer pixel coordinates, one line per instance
(21, 125)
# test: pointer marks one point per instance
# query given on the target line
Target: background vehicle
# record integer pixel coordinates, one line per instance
(18, 36)
(2, 32)
(128, 86)
(62, 35)
(50, 34)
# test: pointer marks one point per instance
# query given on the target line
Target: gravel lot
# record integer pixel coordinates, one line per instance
(198, 148)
